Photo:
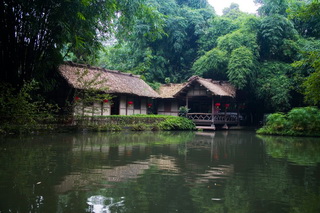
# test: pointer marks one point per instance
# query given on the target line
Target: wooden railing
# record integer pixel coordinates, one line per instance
(220, 118)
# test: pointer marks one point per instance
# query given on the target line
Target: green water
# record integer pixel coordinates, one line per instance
(159, 172)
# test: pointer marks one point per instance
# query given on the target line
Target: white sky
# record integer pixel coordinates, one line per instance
(244, 5)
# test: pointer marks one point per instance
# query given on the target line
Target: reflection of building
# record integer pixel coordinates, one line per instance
(105, 176)
(207, 155)
(101, 176)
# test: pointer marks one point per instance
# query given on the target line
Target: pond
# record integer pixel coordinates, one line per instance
(223, 171)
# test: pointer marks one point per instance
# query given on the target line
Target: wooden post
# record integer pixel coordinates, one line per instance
(126, 104)
(225, 126)
(212, 113)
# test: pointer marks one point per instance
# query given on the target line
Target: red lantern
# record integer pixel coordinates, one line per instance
(105, 101)
(227, 105)
(76, 98)
(217, 105)
(149, 105)
(130, 103)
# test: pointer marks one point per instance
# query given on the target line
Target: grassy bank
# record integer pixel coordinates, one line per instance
(100, 124)
(303, 121)
(134, 123)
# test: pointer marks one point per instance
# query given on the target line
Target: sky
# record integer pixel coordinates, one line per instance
(245, 5)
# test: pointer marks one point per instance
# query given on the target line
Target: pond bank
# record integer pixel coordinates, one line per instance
(103, 123)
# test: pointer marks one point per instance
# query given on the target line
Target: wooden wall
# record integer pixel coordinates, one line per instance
(98, 109)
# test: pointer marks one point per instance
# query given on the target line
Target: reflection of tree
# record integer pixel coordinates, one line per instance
(27, 171)
(224, 172)
(271, 187)
(302, 151)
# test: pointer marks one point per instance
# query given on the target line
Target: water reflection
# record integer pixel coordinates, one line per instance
(159, 172)
(103, 204)
(302, 151)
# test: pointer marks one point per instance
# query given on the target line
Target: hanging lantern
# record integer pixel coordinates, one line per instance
(217, 105)
(76, 98)
(149, 105)
(105, 101)
(130, 103)
(227, 106)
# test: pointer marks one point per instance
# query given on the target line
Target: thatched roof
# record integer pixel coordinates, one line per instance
(218, 88)
(110, 81)
(169, 90)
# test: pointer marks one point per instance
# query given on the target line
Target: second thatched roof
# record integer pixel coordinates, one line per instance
(86, 77)
(217, 88)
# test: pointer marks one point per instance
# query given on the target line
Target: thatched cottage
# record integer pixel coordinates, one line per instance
(131, 95)
(208, 101)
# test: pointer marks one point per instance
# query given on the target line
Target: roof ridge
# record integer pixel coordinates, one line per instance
(100, 69)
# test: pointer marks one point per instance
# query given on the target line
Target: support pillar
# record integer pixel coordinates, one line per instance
(212, 113)
(225, 126)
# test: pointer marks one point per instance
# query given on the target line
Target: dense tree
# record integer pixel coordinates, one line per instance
(272, 7)
(276, 38)
(273, 85)
(240, 67)
(218, 26)
(34, 32)
(170, 56)
(212, 65)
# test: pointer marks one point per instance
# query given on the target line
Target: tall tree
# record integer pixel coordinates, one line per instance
(34, 32)
(272, 7)
(171, 55)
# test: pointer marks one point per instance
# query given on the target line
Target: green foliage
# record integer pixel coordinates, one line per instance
(232, 12)
(219, 26)
(240, 67)
(135, 122)
(102, 128)
(300, 150)
(298, 122)
(170, 55)
(21, 110)
(92, 91)
(35, 32)
(212, 64)
(305, 15)
(273, 85)
(238, 39)
(304, 120)
(274, 30)
(139, 127)
(177, 123)
(312, 88)
(272, 7)
(311, 84)
(277, 122)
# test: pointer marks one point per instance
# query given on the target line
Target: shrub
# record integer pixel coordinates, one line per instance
(303, 121)
(139, 127)
(138, 122)
(21, 110)
(277, 121)
(177, 123)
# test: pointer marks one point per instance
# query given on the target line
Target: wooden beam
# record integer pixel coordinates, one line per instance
(212, 112)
